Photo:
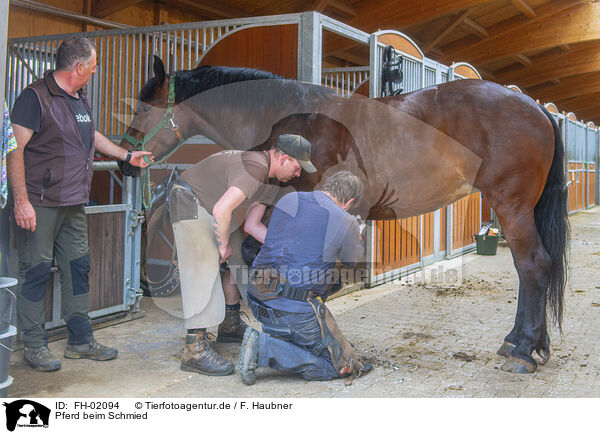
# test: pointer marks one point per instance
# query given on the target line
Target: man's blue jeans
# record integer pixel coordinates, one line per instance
(291, 342)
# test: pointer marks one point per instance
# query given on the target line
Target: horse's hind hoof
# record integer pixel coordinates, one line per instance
(505, 349)
(519, 366)
(544, 356)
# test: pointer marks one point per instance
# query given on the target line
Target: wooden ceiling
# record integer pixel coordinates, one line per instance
(549, 48)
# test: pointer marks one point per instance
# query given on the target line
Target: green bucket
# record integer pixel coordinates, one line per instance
(486, 244)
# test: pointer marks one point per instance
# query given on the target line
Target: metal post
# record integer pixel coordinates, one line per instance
(309, 48)
(374, 67)
(3, 42)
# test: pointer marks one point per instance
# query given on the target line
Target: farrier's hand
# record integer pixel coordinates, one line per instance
(25, 214)
(225, 252)
(137, 158)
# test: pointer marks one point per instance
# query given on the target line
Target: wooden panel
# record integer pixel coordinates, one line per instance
(400, 43)
(572, 188)
(100, 189)
(427, 242)
(443, 229)
(551, 107)
(26, 22)
(106, 237)
(486, 211)
(466, 71)
(396, 244)
(465, 221)
(363, 89)
(270, 48)
(580, 177)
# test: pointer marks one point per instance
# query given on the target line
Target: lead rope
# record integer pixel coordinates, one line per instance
(140, 145)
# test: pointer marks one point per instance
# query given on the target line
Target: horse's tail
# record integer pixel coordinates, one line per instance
(551, 219)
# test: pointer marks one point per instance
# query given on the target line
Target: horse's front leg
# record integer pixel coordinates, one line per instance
(529, 333)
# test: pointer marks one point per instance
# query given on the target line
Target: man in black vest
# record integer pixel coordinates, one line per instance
(50, 175)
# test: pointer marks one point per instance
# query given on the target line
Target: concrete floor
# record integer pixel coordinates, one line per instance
(425, 337)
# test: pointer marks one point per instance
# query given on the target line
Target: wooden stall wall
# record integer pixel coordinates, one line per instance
(270, 48)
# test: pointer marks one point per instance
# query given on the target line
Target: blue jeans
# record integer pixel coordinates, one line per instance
(291, 342)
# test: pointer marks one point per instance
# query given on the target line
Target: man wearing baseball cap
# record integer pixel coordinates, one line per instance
(201, 204)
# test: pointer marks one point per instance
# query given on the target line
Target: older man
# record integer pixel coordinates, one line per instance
(50, 175)
(292, 276)
(201, 206)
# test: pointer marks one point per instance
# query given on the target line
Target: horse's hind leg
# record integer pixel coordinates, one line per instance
(533, 264)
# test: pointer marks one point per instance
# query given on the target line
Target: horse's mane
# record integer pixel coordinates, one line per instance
(195, 81)
(203, 78)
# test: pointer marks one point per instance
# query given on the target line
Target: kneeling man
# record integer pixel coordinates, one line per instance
(289, 281)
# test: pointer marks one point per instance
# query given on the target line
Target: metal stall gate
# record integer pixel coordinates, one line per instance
(399, 247)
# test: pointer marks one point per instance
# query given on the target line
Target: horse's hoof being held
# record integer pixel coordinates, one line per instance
(519, 366)
(505, 349)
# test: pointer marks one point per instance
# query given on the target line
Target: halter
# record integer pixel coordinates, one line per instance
(140, 145)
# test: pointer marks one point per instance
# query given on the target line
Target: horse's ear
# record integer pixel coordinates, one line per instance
(159, 70)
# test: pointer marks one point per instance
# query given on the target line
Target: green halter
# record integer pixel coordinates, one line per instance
(166, 122)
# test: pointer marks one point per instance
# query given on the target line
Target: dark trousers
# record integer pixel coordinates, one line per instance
(61, 233)
(291, 342)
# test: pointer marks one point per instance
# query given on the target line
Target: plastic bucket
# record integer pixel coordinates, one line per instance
(6, 340)
(7, 302)
(4, 387)
(486, 244)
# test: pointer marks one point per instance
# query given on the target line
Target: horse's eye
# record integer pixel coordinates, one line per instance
(146, 109)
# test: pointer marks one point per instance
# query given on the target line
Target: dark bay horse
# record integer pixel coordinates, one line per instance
(415, 153)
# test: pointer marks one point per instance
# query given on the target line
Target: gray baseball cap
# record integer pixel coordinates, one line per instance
(297, 147)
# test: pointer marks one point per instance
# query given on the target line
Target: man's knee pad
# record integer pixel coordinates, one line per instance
(342, 354)
(80, 273)
(36, 280)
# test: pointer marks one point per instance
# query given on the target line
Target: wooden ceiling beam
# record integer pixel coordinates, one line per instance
(446, 30)
(582, 102)
(211, 9)
(568, 88)
(549, 67)
(104, 8)
(524, 8)
(397, 14)
(319, 5)
(511, 24)
(580, 23)
(475, 28)
(522, 59)
(343, 6)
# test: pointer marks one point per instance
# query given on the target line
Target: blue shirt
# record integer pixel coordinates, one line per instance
(307, 233)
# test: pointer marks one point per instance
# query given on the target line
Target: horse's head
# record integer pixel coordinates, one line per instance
(154, 127)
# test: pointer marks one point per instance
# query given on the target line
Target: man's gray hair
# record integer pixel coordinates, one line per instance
(343, 185)
(72, 51)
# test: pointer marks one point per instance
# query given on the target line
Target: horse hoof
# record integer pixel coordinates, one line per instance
(518, 366)
(544, 356)
(505, 349)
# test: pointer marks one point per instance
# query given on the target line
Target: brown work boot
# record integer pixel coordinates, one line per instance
(41, 359)
(198, 356)
(232, 328)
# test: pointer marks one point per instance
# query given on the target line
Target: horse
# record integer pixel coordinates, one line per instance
(414, 152)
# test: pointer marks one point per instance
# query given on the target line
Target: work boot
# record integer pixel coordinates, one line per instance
(93, 350)
(198, 356)
(232, 328)
(41, 359)
(248, 359)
